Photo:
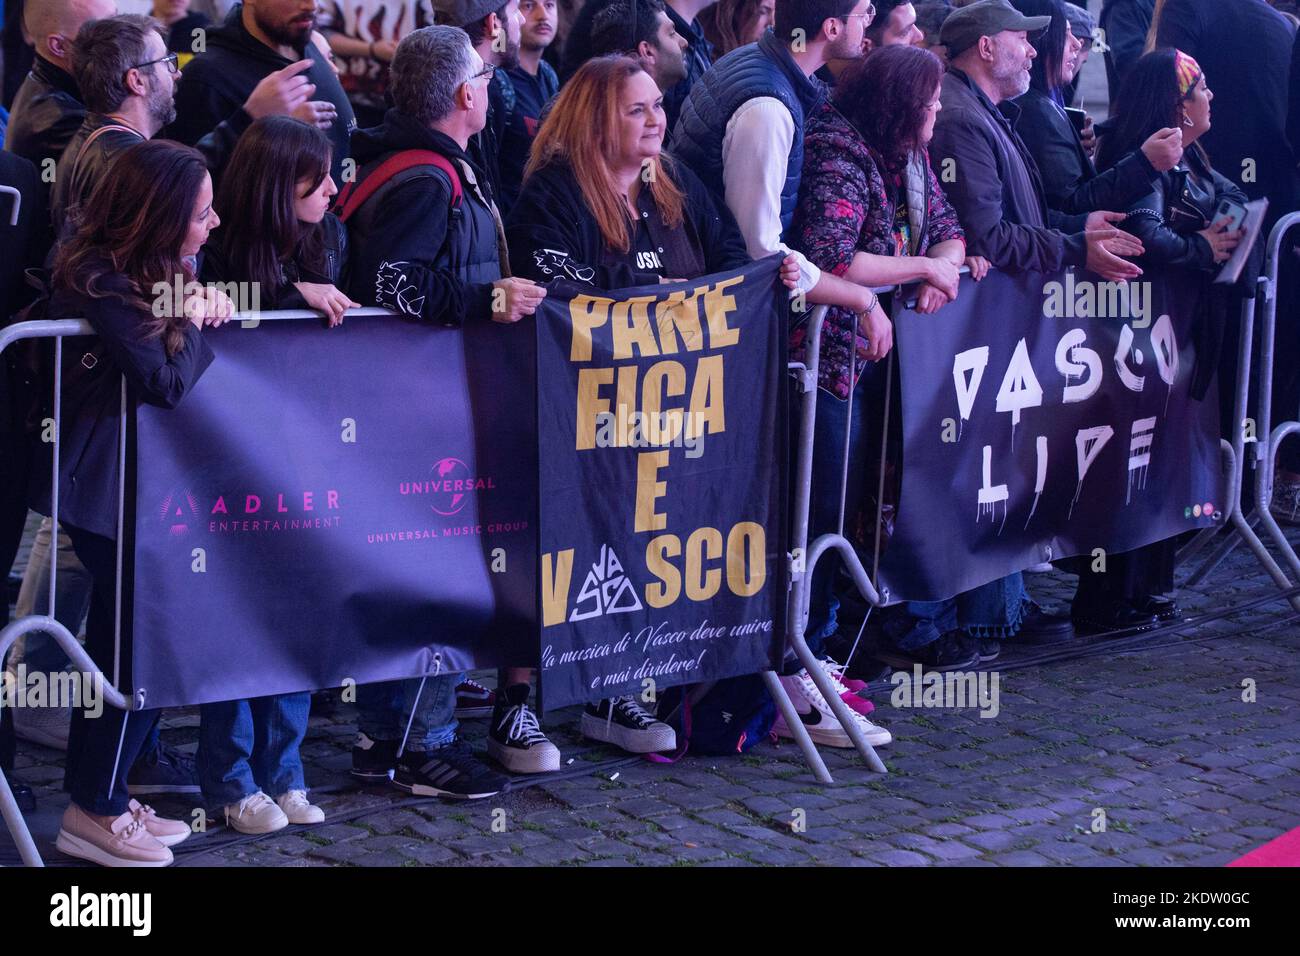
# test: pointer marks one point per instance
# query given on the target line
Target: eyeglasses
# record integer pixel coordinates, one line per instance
(489, 70)
(171, 59)
(866, 17)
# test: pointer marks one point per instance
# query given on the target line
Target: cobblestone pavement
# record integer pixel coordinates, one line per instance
(1157, 738)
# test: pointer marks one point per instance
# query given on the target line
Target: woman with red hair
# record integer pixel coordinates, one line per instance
(603, 204)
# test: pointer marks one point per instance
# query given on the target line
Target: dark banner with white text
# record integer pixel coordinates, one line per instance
(1045, 417)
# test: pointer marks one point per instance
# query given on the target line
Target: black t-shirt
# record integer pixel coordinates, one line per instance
(531, 94)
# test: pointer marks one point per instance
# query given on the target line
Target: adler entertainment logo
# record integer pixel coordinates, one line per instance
(449, 487)
(308, 509)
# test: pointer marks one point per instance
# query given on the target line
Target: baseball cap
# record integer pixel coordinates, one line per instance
(460, 13)
(964, 26)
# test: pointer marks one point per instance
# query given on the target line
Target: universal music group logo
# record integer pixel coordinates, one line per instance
(449, 486)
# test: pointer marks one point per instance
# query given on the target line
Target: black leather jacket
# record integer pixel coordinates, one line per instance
(46, 113)
(1181, 203)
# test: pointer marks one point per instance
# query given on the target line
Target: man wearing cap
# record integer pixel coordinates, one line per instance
(494, 30)
(989, 175)
(993, 183)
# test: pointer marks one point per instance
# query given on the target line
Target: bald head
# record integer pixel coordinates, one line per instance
(52, 24)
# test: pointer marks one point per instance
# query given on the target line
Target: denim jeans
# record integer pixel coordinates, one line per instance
(824, 508)
(251, 745)
(383, 710)
(93, 743)
(990, 610)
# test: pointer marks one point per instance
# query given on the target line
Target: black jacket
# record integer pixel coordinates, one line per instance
(45, 114)
(553, 234)
(21, 247)
(1244, 47)
(82, 167)
(328, 270)
(92, 370)
(1172, 240)
(991, 179)
(1070, 183)
(1125, 23)
(411, 252)
(216, 83)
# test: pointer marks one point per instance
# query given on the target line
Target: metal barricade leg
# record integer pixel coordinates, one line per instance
(801, 571)
(1271, 438)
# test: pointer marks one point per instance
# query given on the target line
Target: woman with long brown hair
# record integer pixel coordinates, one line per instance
(603, 204)
(277, 236)
(120, 271)
(276, 233)
(730, 24)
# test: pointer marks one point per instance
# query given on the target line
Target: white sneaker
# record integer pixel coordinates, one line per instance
(47, 726)
(299, 809)
(256, 813)
(822, 725)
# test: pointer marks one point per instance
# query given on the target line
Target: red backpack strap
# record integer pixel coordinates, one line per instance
(355, 193)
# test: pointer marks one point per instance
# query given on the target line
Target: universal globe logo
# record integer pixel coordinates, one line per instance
(449, 488)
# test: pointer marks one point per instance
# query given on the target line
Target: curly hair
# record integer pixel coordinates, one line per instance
(885, 97)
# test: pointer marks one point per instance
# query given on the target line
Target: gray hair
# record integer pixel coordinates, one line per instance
(429, 66)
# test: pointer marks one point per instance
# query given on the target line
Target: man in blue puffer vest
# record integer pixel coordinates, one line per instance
(741, 131)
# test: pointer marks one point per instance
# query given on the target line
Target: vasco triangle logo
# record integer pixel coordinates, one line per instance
(607, 589)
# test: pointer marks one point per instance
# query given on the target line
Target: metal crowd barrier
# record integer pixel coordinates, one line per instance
(1265, 442)
(59, 329)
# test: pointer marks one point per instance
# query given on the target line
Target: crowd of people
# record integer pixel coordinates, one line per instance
(447, 163)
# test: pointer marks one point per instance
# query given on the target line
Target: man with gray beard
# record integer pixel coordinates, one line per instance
(989, 175)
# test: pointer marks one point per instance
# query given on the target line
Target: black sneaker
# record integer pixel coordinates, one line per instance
(166, 770)
(24, 797)
(373, 760)
(515, 740)
(627, 725)
(953, 651)
(450, 771)
(989, 649)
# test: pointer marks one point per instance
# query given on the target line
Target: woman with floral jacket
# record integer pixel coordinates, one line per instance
(870, 210)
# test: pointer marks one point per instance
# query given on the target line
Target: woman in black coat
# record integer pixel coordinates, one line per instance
(602, 204)
(1071, 184)
(135, 245)
(1175, 220)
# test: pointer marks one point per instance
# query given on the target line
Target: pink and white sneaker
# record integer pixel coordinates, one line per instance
(820, 721)
(848, 687)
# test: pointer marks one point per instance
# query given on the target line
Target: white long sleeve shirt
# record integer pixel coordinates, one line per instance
(755, 157)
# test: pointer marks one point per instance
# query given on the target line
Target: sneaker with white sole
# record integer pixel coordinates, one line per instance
(127, 842)
(627, 725)
(47, 726)
(298, 808)
(515, 740)
(848, 690)
(821, 723)
(473, 700)
(165, 831)
(256, 813)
